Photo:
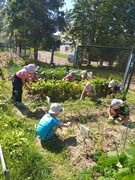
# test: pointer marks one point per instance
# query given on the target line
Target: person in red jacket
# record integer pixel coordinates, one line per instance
(70, 77)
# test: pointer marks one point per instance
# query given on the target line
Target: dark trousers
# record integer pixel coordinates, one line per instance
(17, 89)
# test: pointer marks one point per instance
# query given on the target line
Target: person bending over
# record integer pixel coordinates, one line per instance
(20, 79)
(86, 75)
(88, 90)
(70, 77)
(33, 77)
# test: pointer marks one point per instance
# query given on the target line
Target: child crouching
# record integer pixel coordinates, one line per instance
(50, 122)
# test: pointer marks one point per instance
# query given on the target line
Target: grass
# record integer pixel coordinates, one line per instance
(57, 54)
(60, 55)
(28, 158)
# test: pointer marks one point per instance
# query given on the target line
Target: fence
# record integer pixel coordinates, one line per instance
(113, 57)
(4, 169)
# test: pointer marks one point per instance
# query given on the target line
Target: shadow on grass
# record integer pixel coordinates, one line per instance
(39, 113)
(129, 124)
(58, 145)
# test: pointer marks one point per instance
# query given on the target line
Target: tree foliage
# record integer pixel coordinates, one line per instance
(104, 22)
(31, 21)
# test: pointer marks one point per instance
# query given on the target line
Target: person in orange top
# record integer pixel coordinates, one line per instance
(70, 77)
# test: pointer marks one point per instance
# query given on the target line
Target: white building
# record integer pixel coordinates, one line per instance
(66, 48)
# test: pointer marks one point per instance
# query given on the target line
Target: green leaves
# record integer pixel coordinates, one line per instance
(102, 23)
(32, 21)
(123, 172)
(61, 90)
(117, 166)
(85, 174)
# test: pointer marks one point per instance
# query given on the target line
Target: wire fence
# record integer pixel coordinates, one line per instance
(103, 56)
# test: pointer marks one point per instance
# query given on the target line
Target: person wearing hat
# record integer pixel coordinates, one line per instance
(86, 75)
(20, 79)
(113, 88)
(88, 90)
(50, 122)
(118, 109)
(70, 77)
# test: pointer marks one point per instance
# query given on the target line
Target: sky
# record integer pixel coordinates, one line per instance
(68, 4)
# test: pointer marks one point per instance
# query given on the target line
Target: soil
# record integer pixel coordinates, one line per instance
(105, 137)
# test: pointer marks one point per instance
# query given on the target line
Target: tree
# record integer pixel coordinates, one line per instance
(2, 4)
(104, 22)
(31, 21)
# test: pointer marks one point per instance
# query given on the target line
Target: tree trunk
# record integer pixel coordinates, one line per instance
(24, 51)
(18, 49)
(36, 52)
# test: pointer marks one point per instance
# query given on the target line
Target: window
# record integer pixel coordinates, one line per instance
(66, 48)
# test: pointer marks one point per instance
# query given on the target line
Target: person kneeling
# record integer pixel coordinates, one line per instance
(114, 89)
(49, 123)
(118, 109)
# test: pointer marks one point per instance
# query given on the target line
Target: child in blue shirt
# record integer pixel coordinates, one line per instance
(49, 123)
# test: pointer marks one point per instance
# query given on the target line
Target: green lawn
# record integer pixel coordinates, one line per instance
(60, 55)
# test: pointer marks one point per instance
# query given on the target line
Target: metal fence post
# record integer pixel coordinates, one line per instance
(75, 56)
(128, 72)
(4, 169)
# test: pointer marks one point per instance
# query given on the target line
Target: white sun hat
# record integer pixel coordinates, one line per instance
(30, 68)
(116, 102)
(83, 73)
(72, 73)
(55, 108)
(111, 83)
(89, 75)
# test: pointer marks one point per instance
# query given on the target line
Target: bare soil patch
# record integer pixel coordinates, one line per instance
(105, 137)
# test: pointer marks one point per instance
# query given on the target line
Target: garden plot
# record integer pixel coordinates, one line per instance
(105, 137)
